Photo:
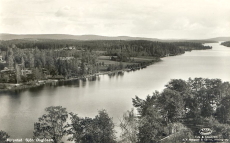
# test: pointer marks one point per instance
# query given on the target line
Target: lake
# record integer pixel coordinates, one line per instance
(19, 111)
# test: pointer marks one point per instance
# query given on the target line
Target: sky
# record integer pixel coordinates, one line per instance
(165, 19)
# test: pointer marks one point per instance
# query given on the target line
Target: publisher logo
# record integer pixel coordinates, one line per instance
(205, 131)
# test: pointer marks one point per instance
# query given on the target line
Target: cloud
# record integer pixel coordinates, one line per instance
(147, 18)
(64, 11)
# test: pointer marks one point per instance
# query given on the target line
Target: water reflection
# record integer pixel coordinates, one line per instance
(70, 83)
(36, 89)
(116, 74)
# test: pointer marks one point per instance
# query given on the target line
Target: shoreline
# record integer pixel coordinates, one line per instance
(13, 87)
(34, 84)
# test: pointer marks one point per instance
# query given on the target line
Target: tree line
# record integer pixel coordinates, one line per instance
(153, 48)
(94, 44)
(134, 48)
(181, 110)
(226, 43)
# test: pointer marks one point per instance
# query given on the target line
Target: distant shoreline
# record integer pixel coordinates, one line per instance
(34, 84)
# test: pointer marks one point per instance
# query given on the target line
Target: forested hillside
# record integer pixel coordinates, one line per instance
(180, 110)
(159, 49)
(42, 59)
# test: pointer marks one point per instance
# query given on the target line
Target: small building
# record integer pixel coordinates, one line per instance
(45, 71)
(8, 75)
(65, 58)
(69, 48)
(26, 72)
(114, 58)
(1, 60)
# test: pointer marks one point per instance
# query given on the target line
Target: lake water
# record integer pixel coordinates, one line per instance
(19, 111)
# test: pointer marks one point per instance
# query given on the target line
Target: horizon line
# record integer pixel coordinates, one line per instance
(119, 36)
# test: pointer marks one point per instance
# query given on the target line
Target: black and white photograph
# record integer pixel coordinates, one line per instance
(114, 71)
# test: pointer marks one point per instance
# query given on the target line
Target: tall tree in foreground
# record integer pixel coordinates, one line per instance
(81, 130)
(223, 111)
(87, 130)
(172, 105)
(3, 137)
(150, 127)
(105, 127)
(129, 127)
(52, 124)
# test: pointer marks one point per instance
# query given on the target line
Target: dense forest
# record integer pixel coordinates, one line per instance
(31, 59)
(173, 115)
(227, 43)
(182, 109)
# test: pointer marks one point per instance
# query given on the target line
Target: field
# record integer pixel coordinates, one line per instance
(106, 60)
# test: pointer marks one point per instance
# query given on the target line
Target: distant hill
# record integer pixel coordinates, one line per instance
(73, 37)
(220, 39)
(5, 36)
